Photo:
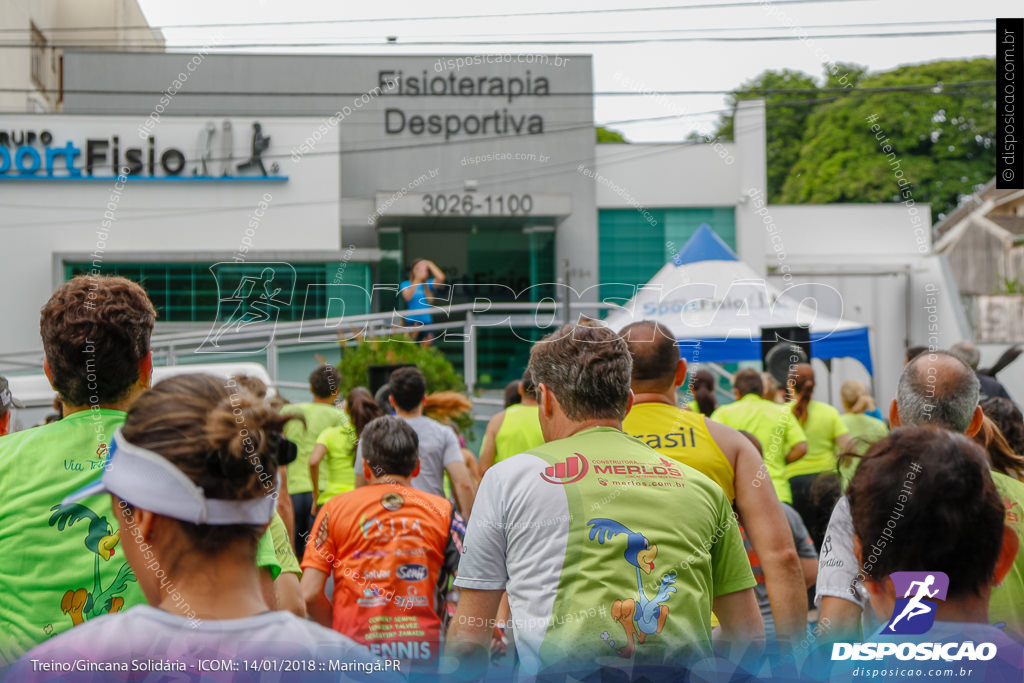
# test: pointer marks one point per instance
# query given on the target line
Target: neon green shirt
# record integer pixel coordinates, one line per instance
(519, 432)
(318, 416)
(864, 431)
(63, 566)
(822, 428)
(776, 429)
(283, 549)
(266, 556)
(1007, 600)
(339, 460)
(58, 566)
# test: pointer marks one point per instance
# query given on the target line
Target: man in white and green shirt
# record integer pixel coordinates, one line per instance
(608, 551)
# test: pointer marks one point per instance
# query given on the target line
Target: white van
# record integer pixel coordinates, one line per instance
(36, 395)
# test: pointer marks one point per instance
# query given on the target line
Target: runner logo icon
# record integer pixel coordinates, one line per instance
(914, 613)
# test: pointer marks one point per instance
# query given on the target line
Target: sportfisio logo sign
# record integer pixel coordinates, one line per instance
(92, 149)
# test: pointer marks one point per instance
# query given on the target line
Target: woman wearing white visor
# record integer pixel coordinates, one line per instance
(193, 479)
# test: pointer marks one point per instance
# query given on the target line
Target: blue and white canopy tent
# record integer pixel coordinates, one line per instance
(716, 306)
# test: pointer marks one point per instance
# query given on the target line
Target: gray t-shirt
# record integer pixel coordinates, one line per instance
(804, 548)
(837, 565)
(148, 642)
(439, 448)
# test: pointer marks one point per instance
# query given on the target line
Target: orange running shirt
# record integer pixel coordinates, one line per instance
(386, 546)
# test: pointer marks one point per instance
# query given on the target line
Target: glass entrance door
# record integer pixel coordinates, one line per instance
(494, 259)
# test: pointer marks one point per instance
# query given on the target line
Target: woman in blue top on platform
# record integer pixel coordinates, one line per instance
(424, 276)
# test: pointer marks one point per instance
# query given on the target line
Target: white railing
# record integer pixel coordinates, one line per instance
(272, 338)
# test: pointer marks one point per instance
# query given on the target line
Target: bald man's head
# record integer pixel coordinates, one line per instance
(655, 355)
(937, 388)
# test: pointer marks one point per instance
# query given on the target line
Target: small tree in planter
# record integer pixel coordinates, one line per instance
(440, 376)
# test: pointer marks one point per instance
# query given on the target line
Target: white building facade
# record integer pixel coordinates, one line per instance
(33, 76)
(363, 164)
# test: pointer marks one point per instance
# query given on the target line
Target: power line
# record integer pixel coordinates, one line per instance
(549, 13)
(508, 137)
(712, 29)
(633, 152)
(924, 88)
(492, 43)
(516, 136)
(178, 212)
(707, 29)
(555, 169)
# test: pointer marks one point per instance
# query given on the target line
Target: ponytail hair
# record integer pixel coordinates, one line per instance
(1002, 457)
(704, 392)
(803, 386)
(362, 408)
(856, 398)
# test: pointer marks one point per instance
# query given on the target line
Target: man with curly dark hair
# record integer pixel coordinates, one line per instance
(61, 566)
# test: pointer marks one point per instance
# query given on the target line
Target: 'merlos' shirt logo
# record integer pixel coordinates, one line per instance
(914, 613)
(571, 471)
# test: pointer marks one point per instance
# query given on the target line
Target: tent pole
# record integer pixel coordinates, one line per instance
(828, 366)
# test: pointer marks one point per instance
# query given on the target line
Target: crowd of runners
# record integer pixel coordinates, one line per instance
(202, 522)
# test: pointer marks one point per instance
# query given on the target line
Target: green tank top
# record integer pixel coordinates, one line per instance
(519, 431)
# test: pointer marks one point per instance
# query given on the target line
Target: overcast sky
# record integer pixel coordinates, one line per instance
(649, 66)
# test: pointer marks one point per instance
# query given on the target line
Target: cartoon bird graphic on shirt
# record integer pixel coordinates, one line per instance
(641, 617)
(101, 539)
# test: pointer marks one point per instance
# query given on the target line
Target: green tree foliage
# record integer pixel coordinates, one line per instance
(844, 75)
(821, 148)
(786, 115)
(438, 372)
(607, 135)
(943, 140)
(356, 361)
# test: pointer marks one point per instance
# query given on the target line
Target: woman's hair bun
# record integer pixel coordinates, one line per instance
(241, 433)
(219, 434)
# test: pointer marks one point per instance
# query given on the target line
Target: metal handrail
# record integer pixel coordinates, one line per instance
(273, 337)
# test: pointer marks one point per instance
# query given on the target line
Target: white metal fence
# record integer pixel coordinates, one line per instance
(273, 338)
